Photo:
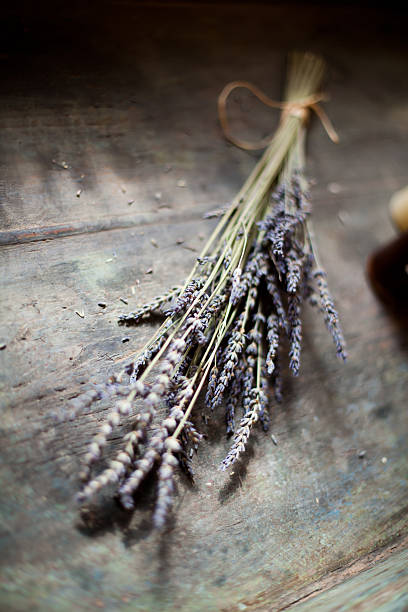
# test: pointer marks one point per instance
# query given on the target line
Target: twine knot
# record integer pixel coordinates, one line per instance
(299, 109)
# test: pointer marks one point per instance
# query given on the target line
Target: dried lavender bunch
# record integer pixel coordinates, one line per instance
(225, 328)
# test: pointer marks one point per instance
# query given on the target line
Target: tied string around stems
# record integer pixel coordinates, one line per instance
(300, 109)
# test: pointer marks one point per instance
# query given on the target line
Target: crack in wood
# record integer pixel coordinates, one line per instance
(36, 234)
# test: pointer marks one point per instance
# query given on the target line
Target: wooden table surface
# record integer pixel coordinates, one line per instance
(102, 113)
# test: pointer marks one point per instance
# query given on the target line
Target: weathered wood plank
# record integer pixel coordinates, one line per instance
(132, 107)
(383, 588)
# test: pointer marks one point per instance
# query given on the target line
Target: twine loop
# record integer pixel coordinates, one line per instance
(299, 109)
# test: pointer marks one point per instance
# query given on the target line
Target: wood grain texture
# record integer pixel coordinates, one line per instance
(383, 588)
(126, 98)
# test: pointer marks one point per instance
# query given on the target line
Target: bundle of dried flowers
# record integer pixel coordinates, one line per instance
(224, 329)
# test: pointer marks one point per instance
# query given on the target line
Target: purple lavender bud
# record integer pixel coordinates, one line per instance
(330, 314)
(295, 333)
(273, 341)
(273, 288)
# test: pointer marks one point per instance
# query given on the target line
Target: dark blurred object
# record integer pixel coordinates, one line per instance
(387, 270)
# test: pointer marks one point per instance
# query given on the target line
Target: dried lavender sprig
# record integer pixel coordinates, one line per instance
(272, 285)
(211, 386)
(294, 266)
(286, 219)
(217, 212)
(276, 236)
(257, 404)
(227, 256)
(236, 288)
(295, 332)
(166, 369)
(243, 432)
(232, 398)
(249, 368)
(272, 338)
(279, 230)
(188, 296)
(330, 313)
(234, 348)
(165, 495)
(253, 272)
(198, 321)
(277, 382)
(191, 434)
(264, 417)
(261, 381)
(79, 404)
(116, 470)
(207, 259)
(179, 379)
(95, 449)
(306, 289)
(147, 309)
(246, 365)
(156, 446)
(185, 461)
(136, 368)
(151, 396)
